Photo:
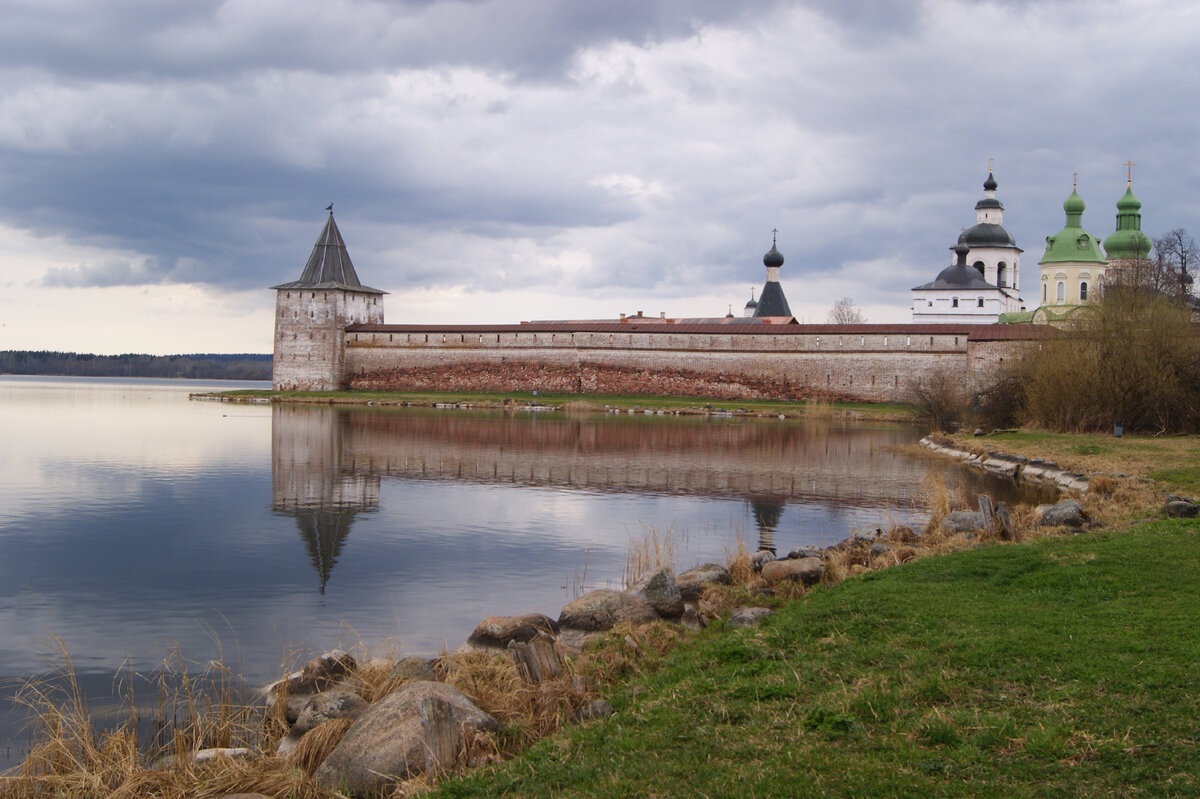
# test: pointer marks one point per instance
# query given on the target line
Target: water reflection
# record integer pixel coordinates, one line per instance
(310, 482)
(328, 463)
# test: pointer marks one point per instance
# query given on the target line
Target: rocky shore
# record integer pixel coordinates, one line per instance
(422, 725)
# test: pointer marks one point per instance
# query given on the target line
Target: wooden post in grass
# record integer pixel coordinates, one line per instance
(536, 659)
(986, 511)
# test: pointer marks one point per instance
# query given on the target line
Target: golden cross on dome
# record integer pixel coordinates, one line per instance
(1075, 181)
(1129, 180)
(774, 233)
(990, 161)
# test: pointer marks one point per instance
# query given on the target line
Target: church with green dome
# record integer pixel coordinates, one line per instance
(1075, 263)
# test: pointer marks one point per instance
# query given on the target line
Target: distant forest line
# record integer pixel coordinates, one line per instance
(204, 366)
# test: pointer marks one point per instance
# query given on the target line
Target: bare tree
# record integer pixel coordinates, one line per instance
(1177, 257)
(843, 312)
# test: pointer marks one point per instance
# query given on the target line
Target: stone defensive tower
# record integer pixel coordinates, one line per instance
(312, 313)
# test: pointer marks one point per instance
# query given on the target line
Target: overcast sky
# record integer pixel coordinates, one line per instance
(163, 163)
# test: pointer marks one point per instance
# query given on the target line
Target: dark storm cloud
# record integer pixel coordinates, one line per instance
(136, 39)
(573, 146)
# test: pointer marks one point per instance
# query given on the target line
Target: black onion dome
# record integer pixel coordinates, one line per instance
(990, 184)
(985, 234)
(773, 258)
(959, 275)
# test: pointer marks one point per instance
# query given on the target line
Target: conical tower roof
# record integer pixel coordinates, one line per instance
(329, 266)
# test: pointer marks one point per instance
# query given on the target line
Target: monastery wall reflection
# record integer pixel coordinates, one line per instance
(327, 462)
(690, 456)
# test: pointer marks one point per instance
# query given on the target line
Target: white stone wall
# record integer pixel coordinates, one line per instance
(309, 335)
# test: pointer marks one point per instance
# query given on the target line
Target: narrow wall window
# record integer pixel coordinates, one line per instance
(1002, 275)
(954, 302)
(1061, 295)
(980, 302)
(1083, 291)
(1043, 292)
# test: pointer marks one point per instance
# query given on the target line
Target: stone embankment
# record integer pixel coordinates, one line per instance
(1017, 467)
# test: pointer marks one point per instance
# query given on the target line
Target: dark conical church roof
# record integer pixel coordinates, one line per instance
(329, 266)
(771, 301)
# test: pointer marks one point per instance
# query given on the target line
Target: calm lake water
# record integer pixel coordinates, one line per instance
(134, 521)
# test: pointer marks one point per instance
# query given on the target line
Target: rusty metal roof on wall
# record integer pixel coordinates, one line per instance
(329, 266)
(972, 332)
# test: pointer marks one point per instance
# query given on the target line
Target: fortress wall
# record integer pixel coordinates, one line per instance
(740, 366)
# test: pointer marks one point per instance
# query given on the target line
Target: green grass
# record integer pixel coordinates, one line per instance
(695, 404)
(1172, 461)
(1185, 479)
(1064, 667)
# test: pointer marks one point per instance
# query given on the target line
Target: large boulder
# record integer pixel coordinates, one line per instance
(317, 675)
(962, 521)
(335, 704)
(1068, 513)
(693, 581)
(1181, 507)
(748, 617)
(497, 631)
(421, 727)
(661, 590)
(601, 610)
(759, 558)
(806, 570)
(414, 668)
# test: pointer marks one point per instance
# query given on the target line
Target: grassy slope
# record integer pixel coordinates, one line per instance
(1063, 667)
(1171, 460)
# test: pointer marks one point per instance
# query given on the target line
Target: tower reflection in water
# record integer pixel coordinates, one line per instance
(311, 482)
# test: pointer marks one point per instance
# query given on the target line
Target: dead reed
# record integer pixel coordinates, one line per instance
(652, 550)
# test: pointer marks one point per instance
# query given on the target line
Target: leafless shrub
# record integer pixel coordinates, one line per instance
(1132, 358)
(940, 398)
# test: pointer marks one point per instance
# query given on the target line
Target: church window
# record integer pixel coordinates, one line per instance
(885, 341)
(931, 341)
(443, 338)
(979, 266)
(1002, 275)
(862, 341)
(980, 305)
(1043, 292)
(1083, 291)
(1062, 291)
(954, 302)
(929, 304)
(818, 341)
(908, 341)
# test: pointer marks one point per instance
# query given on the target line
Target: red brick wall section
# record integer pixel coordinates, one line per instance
(587, 378)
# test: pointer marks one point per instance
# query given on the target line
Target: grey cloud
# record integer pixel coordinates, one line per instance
(103, 274)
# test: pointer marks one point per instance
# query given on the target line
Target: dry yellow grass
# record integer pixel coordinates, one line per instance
(649, 551)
